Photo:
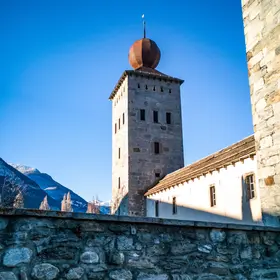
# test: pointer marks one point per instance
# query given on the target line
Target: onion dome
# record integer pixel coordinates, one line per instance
(144, 53)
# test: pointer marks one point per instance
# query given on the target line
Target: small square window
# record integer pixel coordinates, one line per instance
(138, 85)
(119, 123)
(156, 208)
(123, 118)
(168, 118)
(155, 116)
(146, 87)
(250, 184)
(142, 114)
(156, 147)
(174, 206)
(119, 153)
(116, 128)
(119, 182)
(161, 89)
(213, 196)
(157, 174)
(154, 88)
(170, 90)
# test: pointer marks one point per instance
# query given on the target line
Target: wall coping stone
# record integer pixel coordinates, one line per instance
(128, 219)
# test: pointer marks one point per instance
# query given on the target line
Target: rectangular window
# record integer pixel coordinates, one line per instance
(119, 153)
(157, 175)
(156, 208)
(174, 206)
(168, 118)
(142, 115)
(116, 128)
(156, 147)
(250, 184)
(119, 182)
(119, 123)
(123, 118)
(212, 196)
(155, 116)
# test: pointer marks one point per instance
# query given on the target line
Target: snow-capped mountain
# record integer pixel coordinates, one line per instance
(51, 187)
(57, 191)
(12, 182)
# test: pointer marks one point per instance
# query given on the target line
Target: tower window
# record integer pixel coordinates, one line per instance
(174, 206)
(116, 128)
(156, 208)
(119, 182)
(168, 118)
(146, 87)
(138, 85)
(250, 184)
(155, 116)
(123, 118)
(156, 147)
(213, 196)
(170, 90)
(161, 89)
(119, 153)
(157, 174)
(142, 114)
(154, 88)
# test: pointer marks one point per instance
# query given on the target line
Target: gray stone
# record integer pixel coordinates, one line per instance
(217, 235)
(3, 223)
(116, 258)
(16, 256)
(75, 273)
(125, 243)
(181, 277)
(120, 274)
(182, 248)
(7, 276)
(246, 254)
(89, 257)
(209, 277)
(146, 276)
(45, 271)
(205, 248)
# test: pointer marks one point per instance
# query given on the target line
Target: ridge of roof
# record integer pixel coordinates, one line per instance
(240, 150)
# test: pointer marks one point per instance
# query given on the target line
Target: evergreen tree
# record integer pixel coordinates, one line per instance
(19, 201)
(44, 204)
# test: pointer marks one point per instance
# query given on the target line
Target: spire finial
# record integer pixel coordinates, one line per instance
(144, 25)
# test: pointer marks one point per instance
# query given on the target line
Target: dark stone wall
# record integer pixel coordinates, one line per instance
(55, 245)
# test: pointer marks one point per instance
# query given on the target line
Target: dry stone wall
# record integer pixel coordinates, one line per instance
(48, 245)
(262, 34)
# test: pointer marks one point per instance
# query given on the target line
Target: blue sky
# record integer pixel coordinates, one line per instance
(61, 59)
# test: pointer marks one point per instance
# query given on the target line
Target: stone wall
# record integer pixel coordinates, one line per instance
(262, 34)
(54, 245)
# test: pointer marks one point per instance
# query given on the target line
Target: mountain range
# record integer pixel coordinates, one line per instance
(35, 185)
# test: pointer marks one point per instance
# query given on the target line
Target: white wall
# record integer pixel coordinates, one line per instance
(193, 197)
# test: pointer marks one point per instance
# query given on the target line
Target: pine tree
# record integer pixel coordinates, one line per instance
(44, 204)
(63, 203)
(19, 201)
(69, 203)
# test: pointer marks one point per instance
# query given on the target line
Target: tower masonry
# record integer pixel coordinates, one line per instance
(262, 33)
(147, 129)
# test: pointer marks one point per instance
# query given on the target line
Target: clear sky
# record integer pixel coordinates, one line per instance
(61, 59)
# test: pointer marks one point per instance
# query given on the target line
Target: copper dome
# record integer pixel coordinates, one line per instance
(144, 53)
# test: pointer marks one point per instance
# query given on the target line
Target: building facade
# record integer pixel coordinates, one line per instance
(239, 184)
(219, 188)
(147, 129)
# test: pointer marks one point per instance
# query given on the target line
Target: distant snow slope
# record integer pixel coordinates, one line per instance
(51, 187)
(56, 190)
(33, 195)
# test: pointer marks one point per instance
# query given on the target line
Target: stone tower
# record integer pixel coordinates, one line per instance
(262, 34)
(147, 129)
